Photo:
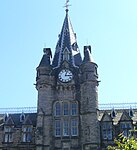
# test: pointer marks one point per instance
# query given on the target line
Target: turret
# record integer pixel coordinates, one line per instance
(44, 85)
(44, 79)
(89, 101)
(44, 67)
(87, 54)
(89, 67)
(89, 76)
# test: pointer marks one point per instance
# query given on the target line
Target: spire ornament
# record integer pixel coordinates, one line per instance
(67, 5)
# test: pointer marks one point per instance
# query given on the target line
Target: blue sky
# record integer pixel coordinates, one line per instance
(109, 26)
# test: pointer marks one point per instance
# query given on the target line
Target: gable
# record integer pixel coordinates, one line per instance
(9, 121)
(106, 117)
(27, 121)
(125, 117)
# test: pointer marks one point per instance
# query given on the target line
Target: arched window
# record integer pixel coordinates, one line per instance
(57, 109)
(66, 109)
(74, 108)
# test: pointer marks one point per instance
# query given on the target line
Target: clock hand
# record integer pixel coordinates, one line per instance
(66, 74)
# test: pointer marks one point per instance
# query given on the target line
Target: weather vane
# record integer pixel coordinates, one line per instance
(67, 5)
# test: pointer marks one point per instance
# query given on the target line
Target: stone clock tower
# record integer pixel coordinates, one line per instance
(67, 87)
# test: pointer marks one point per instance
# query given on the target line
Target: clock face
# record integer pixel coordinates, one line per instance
(65, 75)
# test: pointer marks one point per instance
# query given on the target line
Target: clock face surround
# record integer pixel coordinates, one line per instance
(65, 75)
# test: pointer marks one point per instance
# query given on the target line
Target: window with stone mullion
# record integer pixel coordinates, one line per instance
(66, 131)
(57, 109)
(74, 127)
(8, 137)
(57, 128)
(66, 109)
(107, 131)
(65, 119)
(27, 134)
(8, 134)
(74, 108)
(125, 128)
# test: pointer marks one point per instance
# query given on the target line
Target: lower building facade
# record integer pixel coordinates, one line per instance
(22, 131)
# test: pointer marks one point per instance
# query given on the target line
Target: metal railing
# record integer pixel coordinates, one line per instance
(16, 110)
(107, 106)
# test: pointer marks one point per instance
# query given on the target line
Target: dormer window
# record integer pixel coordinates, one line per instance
(26, 134)
(22, 117)
(5, 117)
(125, 128)
(66, 54)
(113, 113)
(107, 130)
(131, 112)
(8, 132)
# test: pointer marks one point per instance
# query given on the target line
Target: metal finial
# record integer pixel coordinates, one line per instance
(67, 5)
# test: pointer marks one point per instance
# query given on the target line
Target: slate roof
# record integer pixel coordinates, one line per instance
(121, 115)
(14, 119)
(45, 61)
(1, 121)
(67, 39)
(87, 54)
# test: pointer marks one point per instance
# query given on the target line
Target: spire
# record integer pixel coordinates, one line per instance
(87, 54)
(67, 47)
(45, 61)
